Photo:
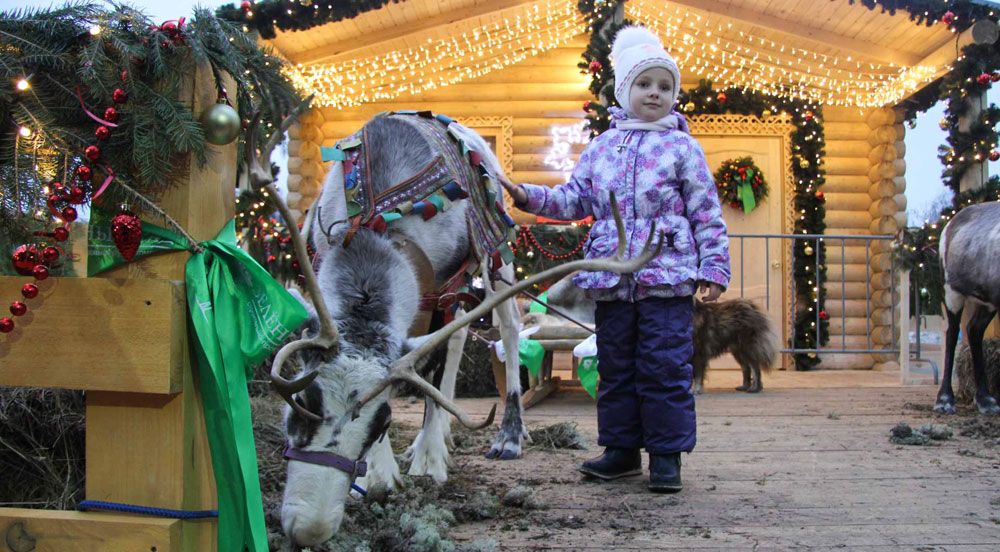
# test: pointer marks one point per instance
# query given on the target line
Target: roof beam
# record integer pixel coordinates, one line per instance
(361, 44)
(797, 30)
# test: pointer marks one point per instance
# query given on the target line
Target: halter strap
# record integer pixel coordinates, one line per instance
(354, 468)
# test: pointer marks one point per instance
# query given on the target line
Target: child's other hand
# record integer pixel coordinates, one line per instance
(515, 191)
(711, 291)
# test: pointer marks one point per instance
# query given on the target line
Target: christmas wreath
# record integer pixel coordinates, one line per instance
(741, 182)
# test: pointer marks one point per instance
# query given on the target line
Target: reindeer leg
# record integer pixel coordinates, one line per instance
(429, 451)
(980, 319)
(507, 444)
(382, 466)
(954, 304)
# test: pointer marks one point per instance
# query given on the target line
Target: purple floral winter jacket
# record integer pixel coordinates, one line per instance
(657, 176)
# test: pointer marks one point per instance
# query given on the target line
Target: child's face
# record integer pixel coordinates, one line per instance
(651, 93)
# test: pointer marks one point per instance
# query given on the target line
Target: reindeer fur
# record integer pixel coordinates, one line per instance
(970, 258)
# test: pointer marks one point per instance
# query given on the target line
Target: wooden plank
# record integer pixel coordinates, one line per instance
(59, 531)
(535, 395)
(138, 346)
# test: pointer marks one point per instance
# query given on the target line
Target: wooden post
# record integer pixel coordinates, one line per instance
(146, 442)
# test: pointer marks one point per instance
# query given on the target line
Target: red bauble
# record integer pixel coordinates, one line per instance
(102, 132)
(119, 96)
(595, 67)
(169, 28)
(948, 18)
(820, 195)
(50, 254)
(995, 77)
(92, 152)
(823, 315)
(722, 97)
(25, 258)
(126, 230)
(246, 6)
(29, 291)
(124, 77)
(57, 186)
(586, 106)
(68, 214)
(995, 155)
(984, 78)
(18, 308)
(6, 325)
(76, 195)
(41, 272)
(809, 115)
(83, 172)
(111, 114)
(60, 234)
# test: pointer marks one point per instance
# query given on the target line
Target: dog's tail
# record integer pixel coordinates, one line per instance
(765, 343)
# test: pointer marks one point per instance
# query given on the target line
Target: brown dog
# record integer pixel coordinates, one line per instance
(736, 326)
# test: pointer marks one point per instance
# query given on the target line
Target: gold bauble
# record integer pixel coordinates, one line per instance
(803, 163)
(689, 107)
(808, 250)
(944, 124)
(766, 114)
(221, 124)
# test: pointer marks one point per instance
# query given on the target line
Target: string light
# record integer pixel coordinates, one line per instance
(732, 57)
(25, 132)
(95, 30)
(23, 85)
(539, 27)
(559, 156)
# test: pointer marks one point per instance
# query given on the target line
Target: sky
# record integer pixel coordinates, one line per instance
(923, 170)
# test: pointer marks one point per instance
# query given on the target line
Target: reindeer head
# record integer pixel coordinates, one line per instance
(353, 350)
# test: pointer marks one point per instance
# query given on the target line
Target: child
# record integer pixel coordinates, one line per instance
(644, 320)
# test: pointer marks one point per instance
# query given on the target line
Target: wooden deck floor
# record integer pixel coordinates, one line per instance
(807, 465)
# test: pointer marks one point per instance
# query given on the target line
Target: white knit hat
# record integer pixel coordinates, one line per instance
(635, 50)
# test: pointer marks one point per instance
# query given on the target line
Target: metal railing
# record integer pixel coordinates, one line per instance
(814, 241)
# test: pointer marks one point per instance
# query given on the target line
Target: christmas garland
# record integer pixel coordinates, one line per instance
(539, 247)
(90, 112)
(741, 184)
(294, 15)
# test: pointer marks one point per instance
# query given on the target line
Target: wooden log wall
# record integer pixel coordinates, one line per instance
(549, 90)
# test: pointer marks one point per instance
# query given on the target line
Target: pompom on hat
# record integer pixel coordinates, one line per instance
(636, 49)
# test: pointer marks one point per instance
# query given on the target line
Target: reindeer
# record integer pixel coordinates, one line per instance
(363, 302)
(970, 249)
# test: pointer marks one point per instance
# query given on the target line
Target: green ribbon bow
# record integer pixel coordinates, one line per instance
(745, 191)
(238, 314)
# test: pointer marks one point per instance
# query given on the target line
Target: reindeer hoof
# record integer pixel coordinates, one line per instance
(944, 407)
(988, 406)
(505, 449)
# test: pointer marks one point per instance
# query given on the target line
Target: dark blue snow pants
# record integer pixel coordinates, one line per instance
(644, 354)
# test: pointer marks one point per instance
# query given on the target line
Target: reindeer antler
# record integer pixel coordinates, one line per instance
(403, 369)
(259, 172)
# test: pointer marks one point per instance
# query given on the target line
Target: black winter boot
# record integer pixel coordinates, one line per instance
(614, 463)
(665, 473)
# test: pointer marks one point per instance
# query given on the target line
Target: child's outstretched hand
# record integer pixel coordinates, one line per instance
(515, 191)
(711, 291)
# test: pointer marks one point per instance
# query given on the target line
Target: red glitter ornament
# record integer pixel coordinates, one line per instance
(102, 132)
(820, 195)
(126, 231)
(50, 254)
(119, 96)
(41, 272)
(68, 214)
(60, 234)
(25, 258)
(984, 78)
(76, 195)
(246, 6)
(83, 172)
(948, 17)
(586, 106)
(595, 67)
(823, 315)
(29, 291)
(124, 76)
(6, 325)
(111, 115)
(18, 308)
(722, 97)
(92, 152)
